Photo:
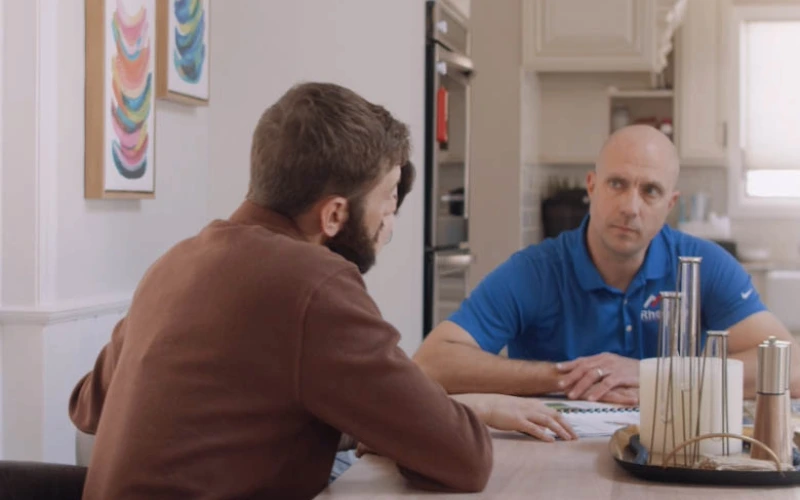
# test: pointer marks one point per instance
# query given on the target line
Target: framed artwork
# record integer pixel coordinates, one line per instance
(120, 88)
(183, 55)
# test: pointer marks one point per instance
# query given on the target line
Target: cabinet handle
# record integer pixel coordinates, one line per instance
(724, 134)
(743, 163)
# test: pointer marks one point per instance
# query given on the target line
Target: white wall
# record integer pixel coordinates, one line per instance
(19, 151)
(102, 246)
(69, 265)
(2, 115)
(376, 47)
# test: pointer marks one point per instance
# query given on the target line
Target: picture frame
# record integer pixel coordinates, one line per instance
(119, 160)
(183, 51)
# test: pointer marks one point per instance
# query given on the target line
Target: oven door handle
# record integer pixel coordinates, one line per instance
(446, 59)
(453, 264)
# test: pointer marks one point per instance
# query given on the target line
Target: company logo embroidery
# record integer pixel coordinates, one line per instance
(746, 295)
(651, 310)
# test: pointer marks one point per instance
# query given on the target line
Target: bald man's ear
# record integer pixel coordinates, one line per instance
(674, 199)
(591, 178)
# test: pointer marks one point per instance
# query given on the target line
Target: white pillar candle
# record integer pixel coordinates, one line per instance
(687, 400)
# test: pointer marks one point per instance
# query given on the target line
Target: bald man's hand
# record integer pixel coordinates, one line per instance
(602, 377)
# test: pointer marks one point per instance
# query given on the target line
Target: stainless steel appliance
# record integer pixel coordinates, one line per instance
(448, 70)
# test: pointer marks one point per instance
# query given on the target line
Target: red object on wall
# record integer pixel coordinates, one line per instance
(441, 116)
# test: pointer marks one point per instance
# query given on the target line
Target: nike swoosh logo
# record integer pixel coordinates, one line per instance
(747, 294)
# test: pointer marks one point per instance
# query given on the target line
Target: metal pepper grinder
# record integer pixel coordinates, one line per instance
(773, 409)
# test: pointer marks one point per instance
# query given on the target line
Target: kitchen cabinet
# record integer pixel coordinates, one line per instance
(598, 35)
(701, 127)
(575, 112)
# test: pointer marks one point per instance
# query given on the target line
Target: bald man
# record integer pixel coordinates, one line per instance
(579, 311)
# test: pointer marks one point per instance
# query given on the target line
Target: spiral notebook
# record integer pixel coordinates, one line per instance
(592, 419)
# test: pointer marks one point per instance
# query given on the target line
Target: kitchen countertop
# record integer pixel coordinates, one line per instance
(769, 265)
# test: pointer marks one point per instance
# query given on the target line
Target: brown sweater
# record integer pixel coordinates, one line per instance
(245, 354)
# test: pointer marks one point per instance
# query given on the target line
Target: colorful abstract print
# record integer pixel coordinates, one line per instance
(131, 83)
(190, 49)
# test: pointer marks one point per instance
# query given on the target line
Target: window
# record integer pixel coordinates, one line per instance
(765, 172)
(772, 183)
(770, 93)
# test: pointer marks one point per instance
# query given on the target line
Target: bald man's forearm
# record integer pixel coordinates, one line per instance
(450, 356)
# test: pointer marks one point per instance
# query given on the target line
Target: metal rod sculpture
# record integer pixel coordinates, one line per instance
(684, 364)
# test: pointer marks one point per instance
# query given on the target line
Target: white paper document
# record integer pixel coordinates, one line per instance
(591, 419)
(601, 423)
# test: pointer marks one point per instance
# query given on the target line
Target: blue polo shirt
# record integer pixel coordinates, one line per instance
(548, 302)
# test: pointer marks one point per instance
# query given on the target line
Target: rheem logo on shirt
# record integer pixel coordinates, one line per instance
(651, 310)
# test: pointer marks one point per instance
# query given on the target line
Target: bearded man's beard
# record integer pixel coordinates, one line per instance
(353, 241)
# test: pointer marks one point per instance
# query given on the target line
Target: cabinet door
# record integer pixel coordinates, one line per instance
(700, 128)
(588, 35)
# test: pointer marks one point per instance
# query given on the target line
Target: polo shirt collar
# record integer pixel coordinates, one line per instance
(655, 265)
(656, 261)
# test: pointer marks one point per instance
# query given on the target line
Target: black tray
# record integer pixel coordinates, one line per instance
(632, 457)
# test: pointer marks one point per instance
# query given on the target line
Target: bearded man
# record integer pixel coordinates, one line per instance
(250, 349)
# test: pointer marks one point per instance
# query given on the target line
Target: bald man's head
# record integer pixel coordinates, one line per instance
(644, 145)
(632, 190)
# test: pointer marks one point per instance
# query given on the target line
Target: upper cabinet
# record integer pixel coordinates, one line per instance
(701, 125)
(599, 35)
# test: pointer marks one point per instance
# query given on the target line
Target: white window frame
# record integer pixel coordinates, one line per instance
(739, 204)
